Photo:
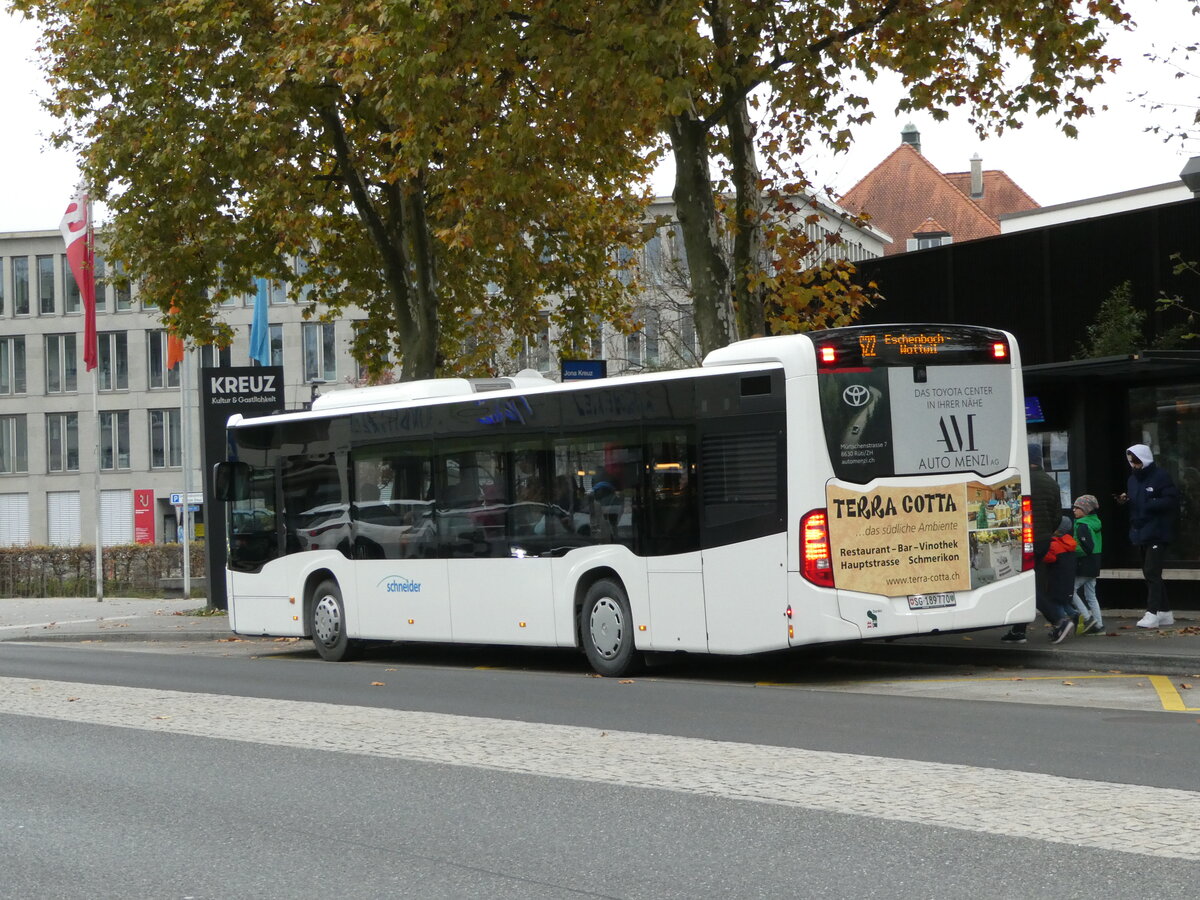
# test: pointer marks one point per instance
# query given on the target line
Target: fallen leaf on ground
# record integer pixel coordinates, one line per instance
(1069, 683)
(627, 681)
(1185, 685)
(377, 684)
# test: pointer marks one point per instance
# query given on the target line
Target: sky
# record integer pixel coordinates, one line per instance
(1112, 153)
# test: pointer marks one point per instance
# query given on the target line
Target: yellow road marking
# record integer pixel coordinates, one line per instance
(1168, 696)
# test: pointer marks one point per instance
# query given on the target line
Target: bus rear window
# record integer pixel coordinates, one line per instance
(917, 420)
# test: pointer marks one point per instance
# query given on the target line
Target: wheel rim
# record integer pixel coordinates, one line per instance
(327, 620)
(607, 627)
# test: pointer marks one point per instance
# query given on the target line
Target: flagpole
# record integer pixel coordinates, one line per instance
(184, 388)
(91, 255)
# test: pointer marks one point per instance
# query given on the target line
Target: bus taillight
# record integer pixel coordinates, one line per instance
(816, 561)
(1027, 532)
(999, 350)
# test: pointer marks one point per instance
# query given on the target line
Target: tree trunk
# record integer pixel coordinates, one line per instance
(420, 351)
(748, 298)
(709, 273)
(406, 251)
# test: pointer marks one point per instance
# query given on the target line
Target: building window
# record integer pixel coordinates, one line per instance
(114, 440)
(122, 288)
(166, 445)
(689, 350)
(99, 285)
(1, 287)
(156, 355)
(72, 302)
(12, 365)
(114, 360)
(45, 277)
(20, 267)
(62, 442)
(641, 347)
(212, 356)
(14, 445)
(929, 239)
(14, 520)
(62, 366)
(63, 518)
(276, 345)
(320, 358)
(535, 350)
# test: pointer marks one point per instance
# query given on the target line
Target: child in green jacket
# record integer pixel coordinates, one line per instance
(1089, 541)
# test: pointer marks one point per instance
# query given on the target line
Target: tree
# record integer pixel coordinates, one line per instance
(443, 166)
(1117, 330)
(755, 84)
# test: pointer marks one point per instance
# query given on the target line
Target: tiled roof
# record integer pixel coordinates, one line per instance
(1000, 193)
(905, 190)
(930, 226)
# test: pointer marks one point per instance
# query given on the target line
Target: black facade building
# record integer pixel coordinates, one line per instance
(1046, 286)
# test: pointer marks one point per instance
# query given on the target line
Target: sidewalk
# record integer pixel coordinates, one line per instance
(113, 619)
(1123, 646)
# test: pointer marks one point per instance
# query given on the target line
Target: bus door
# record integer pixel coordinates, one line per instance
(491, 511)
(743, 495)
(675, 580)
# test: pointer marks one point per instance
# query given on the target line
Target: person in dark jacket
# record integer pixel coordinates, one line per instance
(1046, 510)
(1090, 540)
(1153, 501)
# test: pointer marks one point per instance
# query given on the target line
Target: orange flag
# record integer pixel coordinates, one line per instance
(174, 344)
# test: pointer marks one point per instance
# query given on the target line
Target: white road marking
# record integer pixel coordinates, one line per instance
(67, 622)
(1150, 821)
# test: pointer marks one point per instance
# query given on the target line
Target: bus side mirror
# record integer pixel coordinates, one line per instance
(231, 481)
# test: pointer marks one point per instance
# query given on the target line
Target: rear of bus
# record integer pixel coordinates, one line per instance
(918, 521)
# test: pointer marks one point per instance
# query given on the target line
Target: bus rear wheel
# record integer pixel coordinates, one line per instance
(328, 624)
(606, 628)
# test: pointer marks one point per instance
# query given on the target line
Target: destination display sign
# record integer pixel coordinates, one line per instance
(908, 345)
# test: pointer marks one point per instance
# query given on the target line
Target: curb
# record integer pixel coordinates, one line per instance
(144, 637)
(1024, 658)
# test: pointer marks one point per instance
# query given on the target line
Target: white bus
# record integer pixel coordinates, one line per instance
(826, 487)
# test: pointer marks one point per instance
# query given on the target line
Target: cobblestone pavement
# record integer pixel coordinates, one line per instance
(1135, 819)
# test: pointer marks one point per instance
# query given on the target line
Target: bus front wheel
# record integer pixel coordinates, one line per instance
(606, 627)
(328, 624)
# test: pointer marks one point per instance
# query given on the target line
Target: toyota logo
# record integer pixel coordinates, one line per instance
(856, 395)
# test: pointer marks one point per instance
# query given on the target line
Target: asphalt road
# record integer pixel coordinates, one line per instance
(256, 769)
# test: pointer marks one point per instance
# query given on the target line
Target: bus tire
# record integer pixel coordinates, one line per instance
(606, 629)
(327, 621)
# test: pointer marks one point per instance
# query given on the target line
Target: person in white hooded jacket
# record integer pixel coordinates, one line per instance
(1153, 501)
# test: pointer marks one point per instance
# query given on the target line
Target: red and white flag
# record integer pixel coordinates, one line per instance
(174, 343)
(76, 227)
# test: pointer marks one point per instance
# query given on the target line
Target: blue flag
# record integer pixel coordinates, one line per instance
(260, 333)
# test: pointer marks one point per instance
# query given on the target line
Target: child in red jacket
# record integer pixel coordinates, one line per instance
(1060, 578)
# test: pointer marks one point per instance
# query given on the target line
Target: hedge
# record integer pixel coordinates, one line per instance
(131, 570)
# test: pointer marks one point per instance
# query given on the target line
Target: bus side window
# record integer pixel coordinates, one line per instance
(606, 480)
(674, 515)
